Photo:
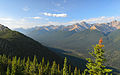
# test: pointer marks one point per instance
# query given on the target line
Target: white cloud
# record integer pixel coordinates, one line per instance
(26, 8)
(37, 17)
(55, 15)
(5, 19)
(102, 19)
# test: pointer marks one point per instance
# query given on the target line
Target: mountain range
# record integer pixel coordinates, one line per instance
(103, 27)
(76, 39)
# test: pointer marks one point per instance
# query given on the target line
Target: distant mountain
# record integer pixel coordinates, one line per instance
(103, 27)
(13, 43)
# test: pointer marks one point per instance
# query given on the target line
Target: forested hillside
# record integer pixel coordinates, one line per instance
(78, 43)
(13, 43)
(18, 66)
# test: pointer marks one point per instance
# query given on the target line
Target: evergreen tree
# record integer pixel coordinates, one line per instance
(58, 70)
(14, 65)
(23, 62)
(43, 61)
(18, 62)
(47, 69)
(27, 64)
(75, 71)
(71, 73)
(54, 68)
(95, 66)
(65, 67)
(8, 71)
(35, 63)
(32, 68)
(40, 69)
(69, 69)
(79, 72)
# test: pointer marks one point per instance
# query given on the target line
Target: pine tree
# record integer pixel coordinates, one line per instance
(95, 66)
(43, 61)
(65, 68)
(54, 68)
(9, 61)
(79, 72)
(32, 68)
(27, 64)
(47, 69)
(14, 65)
(35, 63)
(75, 71)
(40, 69)
(23, 62)
(58, 70)
(69, 69)
(71, 73)
(8, 71)
(18, 62)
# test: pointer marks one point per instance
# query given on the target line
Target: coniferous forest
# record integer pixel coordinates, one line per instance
(17, 66)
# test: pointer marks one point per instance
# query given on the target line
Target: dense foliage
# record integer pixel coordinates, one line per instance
(18, 66)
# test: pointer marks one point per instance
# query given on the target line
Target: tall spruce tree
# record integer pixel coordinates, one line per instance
(95, 66)
(27, 65)
(65, 68)
(14, 61)
(75, 71)
(8, 71)
(54, 68)
(47, 69)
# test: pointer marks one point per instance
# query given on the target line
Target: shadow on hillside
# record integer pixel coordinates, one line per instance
(76, 61)
(72, 60)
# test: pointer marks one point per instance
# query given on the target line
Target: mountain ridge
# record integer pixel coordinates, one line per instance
(103, 27)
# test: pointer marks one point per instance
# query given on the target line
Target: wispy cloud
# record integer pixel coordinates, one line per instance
(55, 15)
(37, 17)
(102, 19)
(21, 23)
(5, 19)
(26, 8)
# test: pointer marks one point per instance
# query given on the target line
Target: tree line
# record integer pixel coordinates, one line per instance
(18, 66)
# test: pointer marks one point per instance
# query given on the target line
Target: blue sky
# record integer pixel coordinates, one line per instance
(30, 13)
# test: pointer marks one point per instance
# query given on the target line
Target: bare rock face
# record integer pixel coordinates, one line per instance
(93, 28)
(115, 24)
